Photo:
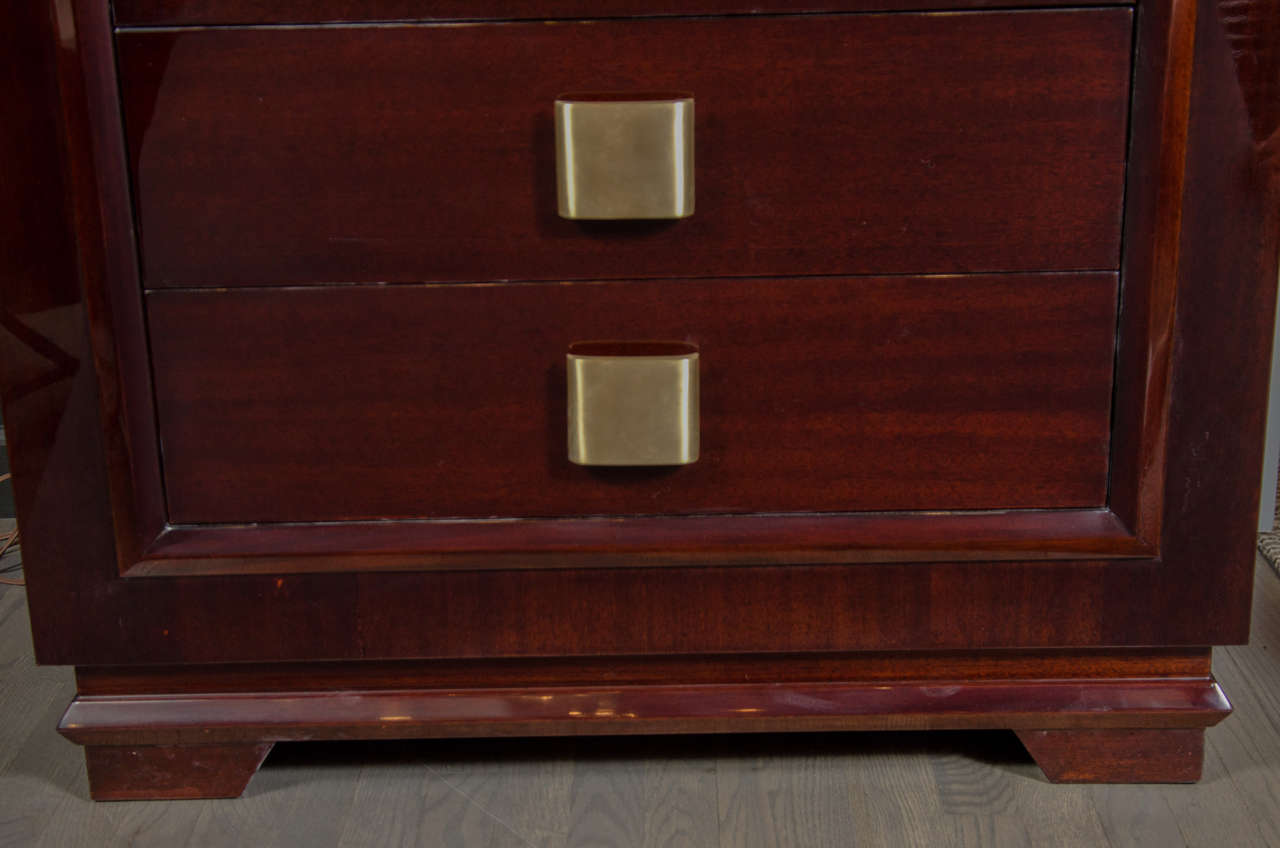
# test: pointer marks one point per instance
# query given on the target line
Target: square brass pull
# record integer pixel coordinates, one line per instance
(624, 156)
(633, 403)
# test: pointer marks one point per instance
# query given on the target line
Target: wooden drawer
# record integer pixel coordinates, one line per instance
(933, 393)
(836, 145)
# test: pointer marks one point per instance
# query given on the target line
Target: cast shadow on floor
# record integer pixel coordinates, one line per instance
(998, 749)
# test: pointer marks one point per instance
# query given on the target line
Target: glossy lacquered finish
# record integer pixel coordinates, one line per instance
(1196, 593)
(131, 13)
(566, 711)
(71, 394)
(931, 668)
(1117, 756)
(818, 395)
(855, 144)
(655, 541)
(132, 772)
(158, 716)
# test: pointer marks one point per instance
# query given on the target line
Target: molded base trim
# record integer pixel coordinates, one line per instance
(187, 744)
(562, 711)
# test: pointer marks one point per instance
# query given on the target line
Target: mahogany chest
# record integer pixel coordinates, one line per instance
(973, 314)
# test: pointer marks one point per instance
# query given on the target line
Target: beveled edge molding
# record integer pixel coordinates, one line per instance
(1160, 116)
(741, 540)
(101, 217)
(466, 673)
(228, 718)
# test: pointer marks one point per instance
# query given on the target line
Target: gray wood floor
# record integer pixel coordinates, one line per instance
(893, 789)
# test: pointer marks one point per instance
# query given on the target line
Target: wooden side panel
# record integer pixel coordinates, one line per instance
(824, 145)
(817, 395)
(86, 228)
(1221, 335)
(1226, 308)
(1165, 51)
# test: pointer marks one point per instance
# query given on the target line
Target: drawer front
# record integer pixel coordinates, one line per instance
(846, 144)
(828, 394)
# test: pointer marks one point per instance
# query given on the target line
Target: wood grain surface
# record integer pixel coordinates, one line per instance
(817, 395)
(132, 13)
(184, 740)
(655, 541)
(194, 720)
(1153, 226)
(1196, 593)
(68, 452)
(91, 195)
(1117, 755)
(885, 788)
(879, 667)
(825, 145)
(133, 772)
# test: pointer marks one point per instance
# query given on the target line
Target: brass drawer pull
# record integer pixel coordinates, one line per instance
(633, 403)
(624, 156)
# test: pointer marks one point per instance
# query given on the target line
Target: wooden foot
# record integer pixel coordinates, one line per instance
(1117, 756)
(131, 773)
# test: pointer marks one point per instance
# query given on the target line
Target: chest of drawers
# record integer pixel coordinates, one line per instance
(981, 300)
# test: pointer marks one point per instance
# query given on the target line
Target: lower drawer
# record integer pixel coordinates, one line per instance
(818, 395)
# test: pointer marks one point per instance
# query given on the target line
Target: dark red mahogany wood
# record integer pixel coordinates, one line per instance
(109, 269)
(885, 394)
(507, 629)
(830, 667)
(1117, 756)
(173, 709)
(261, 158)
(188, 12)
(1157, 176)
(566, 711)
(133, 772)
(651, 541)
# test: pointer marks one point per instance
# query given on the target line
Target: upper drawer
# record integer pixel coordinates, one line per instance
(851, 144)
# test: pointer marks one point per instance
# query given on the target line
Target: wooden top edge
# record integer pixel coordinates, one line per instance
(176, 13)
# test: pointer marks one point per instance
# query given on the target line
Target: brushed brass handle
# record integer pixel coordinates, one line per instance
(633, 403)
(624, 156)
